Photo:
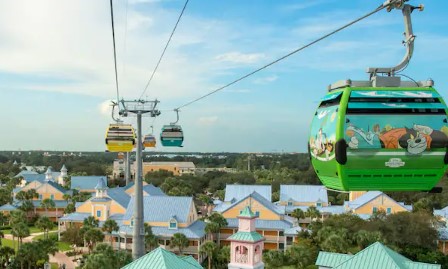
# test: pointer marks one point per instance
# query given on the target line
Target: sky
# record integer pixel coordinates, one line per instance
(57, 74)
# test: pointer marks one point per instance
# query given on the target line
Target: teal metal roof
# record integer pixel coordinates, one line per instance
(375, 256)
(247, 213)
(163, 259)
(329, 259)
(247, 237)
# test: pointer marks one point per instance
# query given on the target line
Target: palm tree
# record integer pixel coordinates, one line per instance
(179, 240)
(150, 239)
(208, 248)
(110, 226)
(2, 235)
(90, 222)
(5, 254)
(21, 196)
(31, 194)
(219, 223)
(26, 207)
(67, 197)
(47, 204)
(20, 230)
(70, 208)
(44, 224)
(3, 219)
(312, 212)
(211, 228)
(298, 214)
(93, 236)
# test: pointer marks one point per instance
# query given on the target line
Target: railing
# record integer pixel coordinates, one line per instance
(242, 258)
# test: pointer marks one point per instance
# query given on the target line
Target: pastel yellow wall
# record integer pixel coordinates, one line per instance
(156, 167)
(265, 214)
(353, 195)
(382, 202)
(130, 191)
(45, 190)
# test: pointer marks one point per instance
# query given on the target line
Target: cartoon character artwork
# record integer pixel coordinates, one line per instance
(415, 140)
(359, 137)
(323, 137)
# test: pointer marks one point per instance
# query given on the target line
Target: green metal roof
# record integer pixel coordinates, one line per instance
(246, 237)
(375, 256)
(330, 259)
(163, 259)
(247, 213)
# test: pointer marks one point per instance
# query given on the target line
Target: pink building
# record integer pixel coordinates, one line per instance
(246, 246)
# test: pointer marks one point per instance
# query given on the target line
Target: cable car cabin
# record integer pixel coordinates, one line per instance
(120, 138)
(380, 138)
(149, 141)
(172, 136)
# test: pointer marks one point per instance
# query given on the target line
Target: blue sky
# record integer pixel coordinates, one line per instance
(56, 68)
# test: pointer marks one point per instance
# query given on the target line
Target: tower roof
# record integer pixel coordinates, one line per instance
(49, 170)
(247, 213)
(64, 168)
(101, 185)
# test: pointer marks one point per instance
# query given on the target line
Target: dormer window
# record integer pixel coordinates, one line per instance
(318, 204)
(173, 224)
(132, 223)
(289, 203)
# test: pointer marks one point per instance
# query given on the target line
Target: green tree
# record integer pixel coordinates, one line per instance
(218, 222)
(45, 225)
(27, 206)
(3, 219)
(180, 241)
(211, 228)
(274, 258)
(209, 248)
(312, 212)
(298, 214)
(110, 226)
(93, 236)
(335, 243)
(70, 208)
(151, 240)
(90, 222)
(5, 196)
(104, 257)
(5, 254)
(425, 205)
(73, 236)
(47, 204)
(20, 230)
(365, 238)
(302, 254)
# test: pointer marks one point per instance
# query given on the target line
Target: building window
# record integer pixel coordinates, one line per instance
(281, 246)
(281, 233)
(40, 196)
(319, 204)
(257, 213)
(173, 224)
(375, 209)
(98, 213)
(52, 197)
(389, 210)
(132, 223)
(289, 203)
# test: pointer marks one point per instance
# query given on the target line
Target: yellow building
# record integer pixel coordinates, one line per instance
(368, 203)
(177, 168)
(166, 215)
(271, 222)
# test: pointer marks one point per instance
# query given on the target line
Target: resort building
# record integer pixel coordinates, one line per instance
(177, 168)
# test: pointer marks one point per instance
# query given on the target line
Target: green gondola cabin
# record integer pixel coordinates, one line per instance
(373, 135)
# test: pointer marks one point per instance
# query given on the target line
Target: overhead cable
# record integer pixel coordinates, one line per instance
(164, 50)
(115, 51)
(285, 56)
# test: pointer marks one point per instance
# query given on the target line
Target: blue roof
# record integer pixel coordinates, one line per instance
(101, 184)
(32, 177)
(119, 196)
(55, 185)
(194, 231)
(237, 192)
(303, 193)
(82, 183)
(294, 230)
(153, 190)
(263, 224)
(25, 172)
(162, 208)
(17, 189)
(334, 209)
(78, 217)
(443, 233)
(7, 207)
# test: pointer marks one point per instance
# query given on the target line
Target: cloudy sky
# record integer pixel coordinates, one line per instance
(56, 66)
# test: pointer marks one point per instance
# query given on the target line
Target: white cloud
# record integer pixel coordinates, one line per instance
(206, 121)
(105, 108)
(266, 80)
(240, 58)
